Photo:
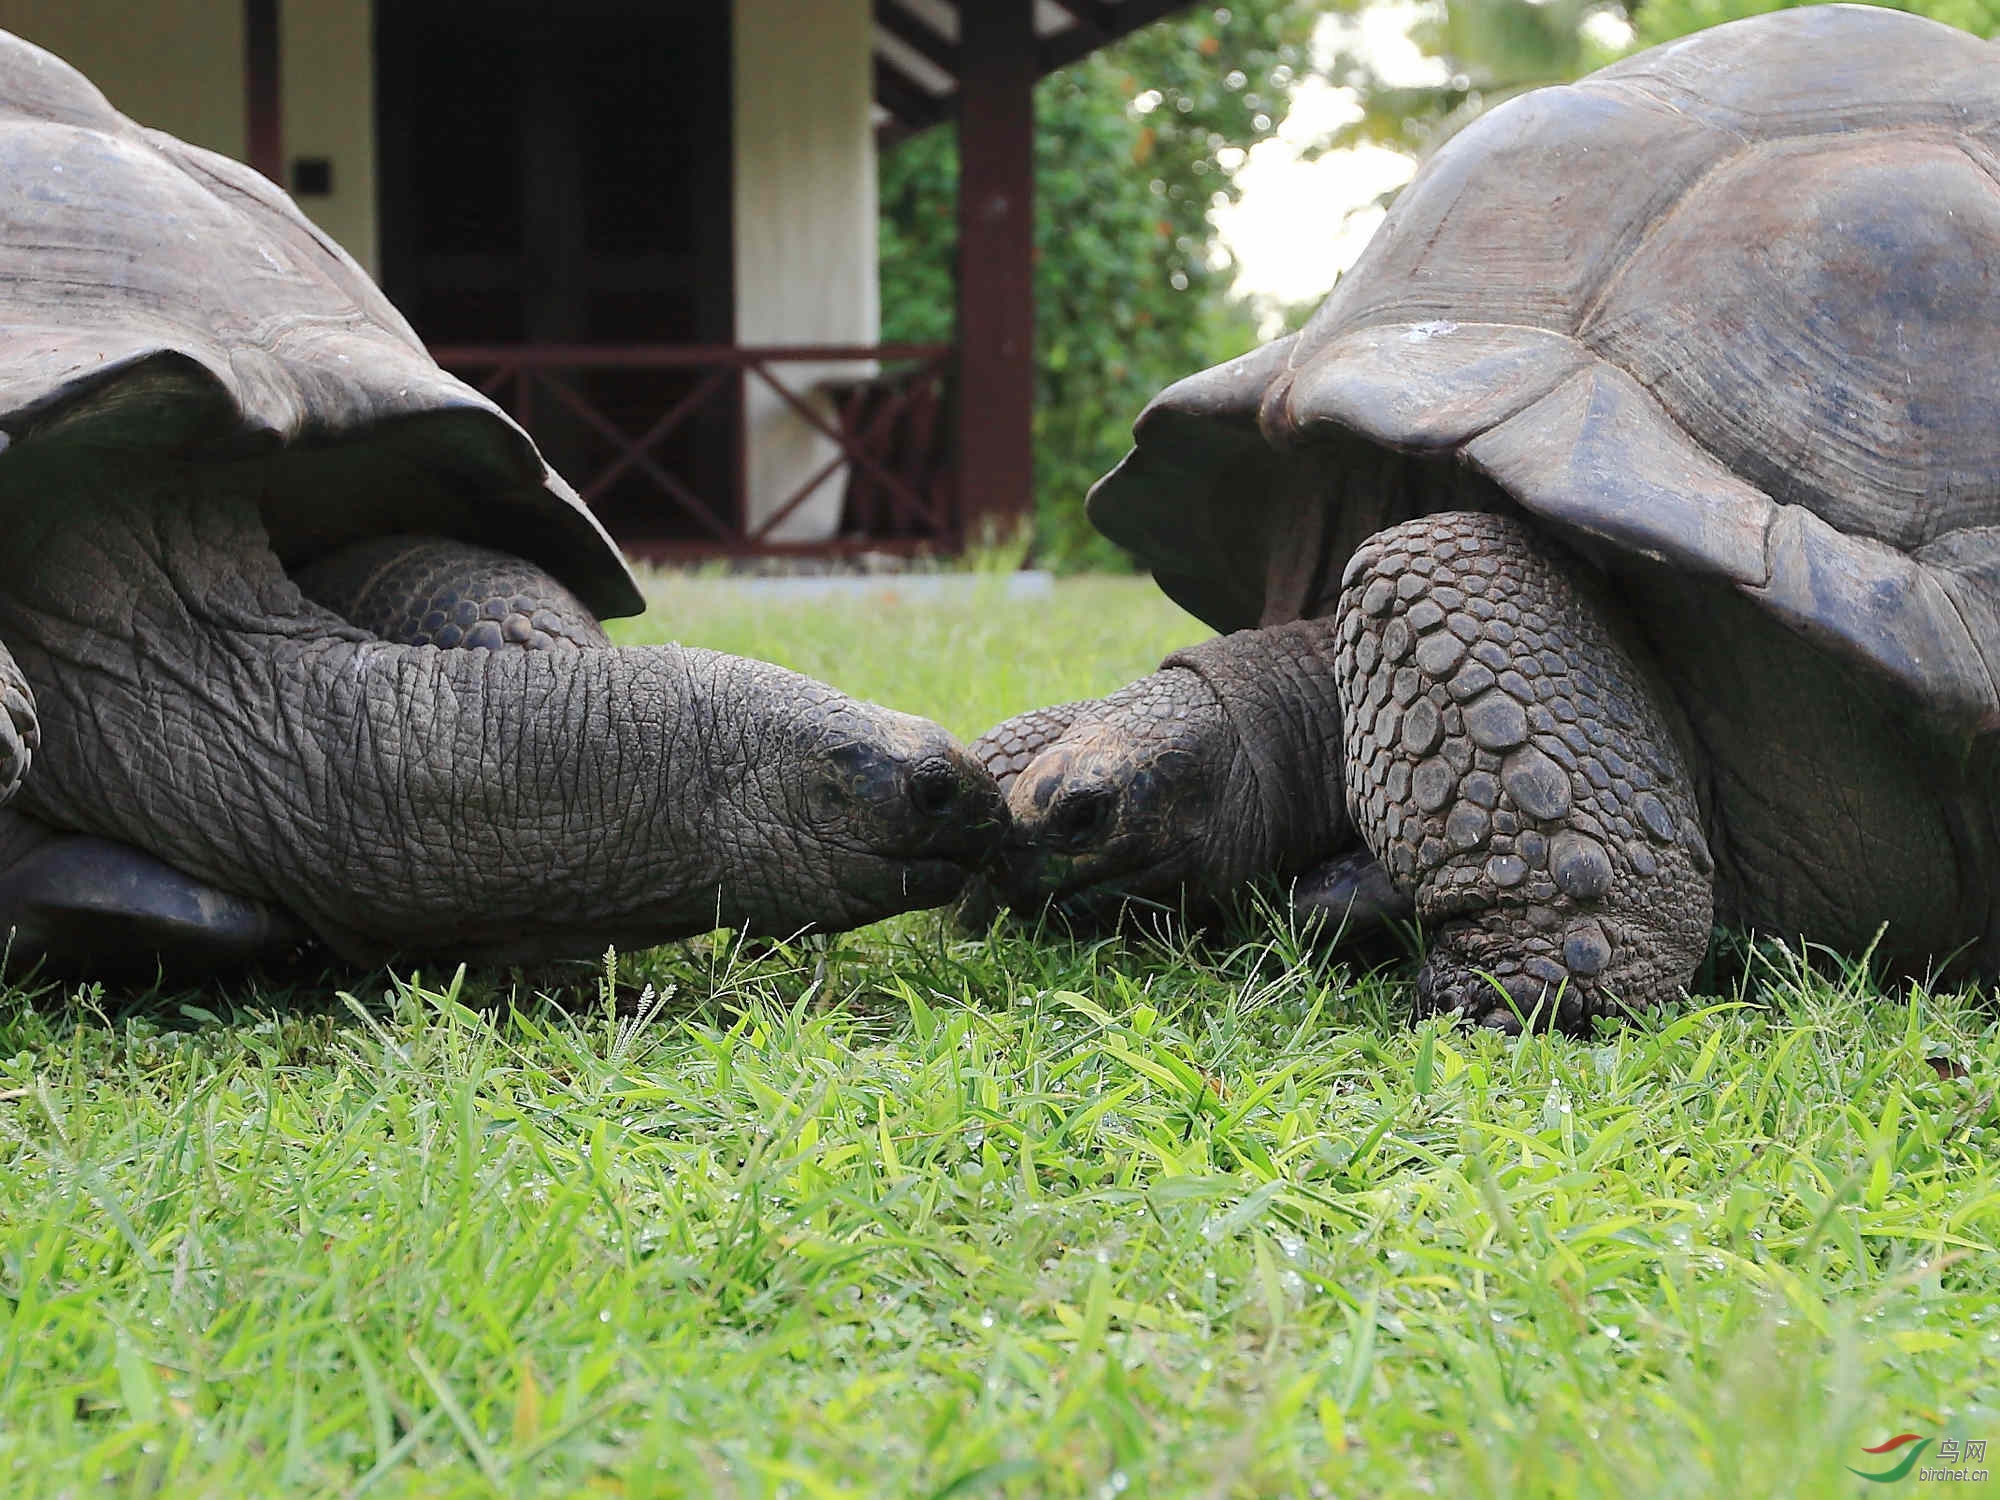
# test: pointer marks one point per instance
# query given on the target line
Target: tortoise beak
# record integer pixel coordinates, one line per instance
(953, 803)
(1063, 809)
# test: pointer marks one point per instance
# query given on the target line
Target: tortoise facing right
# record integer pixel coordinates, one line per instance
(308, 632)
(1616, 549)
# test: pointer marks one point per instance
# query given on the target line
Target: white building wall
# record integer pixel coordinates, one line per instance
(805, 229)
(328, 80)
(177, 65)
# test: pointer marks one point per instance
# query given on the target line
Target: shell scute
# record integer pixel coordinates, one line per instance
(1821, 315)
(1518, 219)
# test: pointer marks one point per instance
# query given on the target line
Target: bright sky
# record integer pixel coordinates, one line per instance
(1299, 224)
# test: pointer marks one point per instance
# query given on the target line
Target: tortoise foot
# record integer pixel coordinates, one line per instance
(1514, 772)
(79, 904)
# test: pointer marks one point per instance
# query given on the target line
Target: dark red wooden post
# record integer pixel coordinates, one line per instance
(265, 137)
(996, 246)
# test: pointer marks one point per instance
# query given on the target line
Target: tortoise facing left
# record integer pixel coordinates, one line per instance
(311, 630)
(1617, 548)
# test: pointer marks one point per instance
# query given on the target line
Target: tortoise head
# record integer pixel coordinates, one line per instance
(898, 810)
(1125, 803)
(1178, 787)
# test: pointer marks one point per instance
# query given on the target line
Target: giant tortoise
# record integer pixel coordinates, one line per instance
(1615, 551)
(301, 634)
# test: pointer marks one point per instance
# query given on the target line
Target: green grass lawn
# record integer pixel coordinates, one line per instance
(912, 1213)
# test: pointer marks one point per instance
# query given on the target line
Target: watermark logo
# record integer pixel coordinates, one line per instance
(1896, 1471)
(1959, 1460)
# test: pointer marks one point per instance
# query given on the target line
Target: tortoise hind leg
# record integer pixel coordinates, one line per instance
(433, 591)
(1514, 772)
(85, 905)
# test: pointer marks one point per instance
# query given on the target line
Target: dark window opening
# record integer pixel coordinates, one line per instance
(559, 173)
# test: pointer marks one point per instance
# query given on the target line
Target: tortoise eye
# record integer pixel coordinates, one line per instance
(1082, 817)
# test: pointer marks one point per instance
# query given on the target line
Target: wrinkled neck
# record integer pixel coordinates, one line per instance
(405, 799)
(1276, 687)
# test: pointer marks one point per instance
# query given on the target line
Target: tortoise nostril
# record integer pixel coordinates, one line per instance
(934, 789)
(1081, 817)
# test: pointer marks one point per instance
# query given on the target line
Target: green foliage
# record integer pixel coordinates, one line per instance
(1662, 20)
(1129, 150)
(1488, 51)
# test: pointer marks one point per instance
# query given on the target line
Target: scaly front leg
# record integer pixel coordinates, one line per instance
(1513, 770)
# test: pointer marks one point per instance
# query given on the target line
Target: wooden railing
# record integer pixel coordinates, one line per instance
(624, 423)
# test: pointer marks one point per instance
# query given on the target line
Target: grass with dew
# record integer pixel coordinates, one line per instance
(909, 1212)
